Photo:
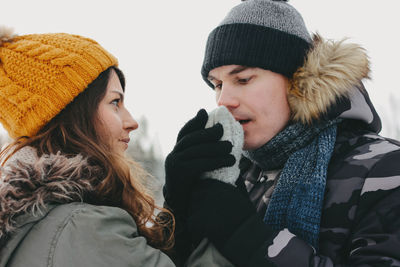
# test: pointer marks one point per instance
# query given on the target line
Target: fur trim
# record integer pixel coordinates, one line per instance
(330, 71)
(6, 34)
(28, 187)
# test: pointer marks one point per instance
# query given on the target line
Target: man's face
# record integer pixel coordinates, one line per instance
(257, 98)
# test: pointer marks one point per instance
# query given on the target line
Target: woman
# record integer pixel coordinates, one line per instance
(68, 195)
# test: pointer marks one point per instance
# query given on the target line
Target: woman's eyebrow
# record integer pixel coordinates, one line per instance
(120, 94)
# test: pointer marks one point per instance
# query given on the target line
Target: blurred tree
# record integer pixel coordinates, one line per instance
(391, 122)
(147, 151)
(4, 139)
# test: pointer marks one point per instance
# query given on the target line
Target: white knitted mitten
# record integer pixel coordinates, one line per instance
(233, 132)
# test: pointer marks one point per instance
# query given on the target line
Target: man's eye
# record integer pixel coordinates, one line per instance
(218, 86)
(244, 81)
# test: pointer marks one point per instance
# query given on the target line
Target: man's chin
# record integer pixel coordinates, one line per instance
(247, 146)
(253, 144)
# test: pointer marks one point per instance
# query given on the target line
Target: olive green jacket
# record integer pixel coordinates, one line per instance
(44, 222)
(80, 234)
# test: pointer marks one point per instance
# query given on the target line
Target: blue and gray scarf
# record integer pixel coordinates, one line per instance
(303, 153)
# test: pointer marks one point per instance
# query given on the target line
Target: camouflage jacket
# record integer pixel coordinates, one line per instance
(360, 224)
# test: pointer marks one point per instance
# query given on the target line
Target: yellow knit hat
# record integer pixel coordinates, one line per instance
(40, 74)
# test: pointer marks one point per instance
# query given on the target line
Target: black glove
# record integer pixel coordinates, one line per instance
(197, 150)
(226, 216)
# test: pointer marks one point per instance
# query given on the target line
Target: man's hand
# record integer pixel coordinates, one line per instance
(197, 150)
(225, 215)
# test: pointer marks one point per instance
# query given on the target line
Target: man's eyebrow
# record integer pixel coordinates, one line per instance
(210, 78)
(120, 94)
(236, 70)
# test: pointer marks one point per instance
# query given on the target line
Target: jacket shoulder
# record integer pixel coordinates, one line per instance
(104, 236)
(364, 169)
(32, 242)
(357, 152)
(80, 234)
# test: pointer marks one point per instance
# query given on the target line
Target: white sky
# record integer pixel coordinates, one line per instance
(160, 46)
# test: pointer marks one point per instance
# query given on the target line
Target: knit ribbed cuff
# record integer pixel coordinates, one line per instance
(254, 46)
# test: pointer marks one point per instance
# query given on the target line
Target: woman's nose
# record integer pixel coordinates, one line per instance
(130, 123)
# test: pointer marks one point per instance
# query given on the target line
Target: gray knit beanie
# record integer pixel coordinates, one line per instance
(268, 34)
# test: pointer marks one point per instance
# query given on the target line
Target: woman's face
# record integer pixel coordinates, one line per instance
(115, 120)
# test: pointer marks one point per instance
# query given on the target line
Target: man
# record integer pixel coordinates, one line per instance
(324, 187)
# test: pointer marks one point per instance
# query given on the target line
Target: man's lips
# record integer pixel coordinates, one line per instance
(242, 120)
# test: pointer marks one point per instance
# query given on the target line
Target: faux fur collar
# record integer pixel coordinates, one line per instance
(28, 183)
(331, 70)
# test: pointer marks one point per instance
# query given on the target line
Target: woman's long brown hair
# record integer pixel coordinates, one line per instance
(73, 131)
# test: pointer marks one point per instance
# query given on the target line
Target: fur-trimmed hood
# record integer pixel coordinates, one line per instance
(29, 183)
(329, 84)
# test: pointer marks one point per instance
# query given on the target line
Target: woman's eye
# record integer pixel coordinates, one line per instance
(116, 101)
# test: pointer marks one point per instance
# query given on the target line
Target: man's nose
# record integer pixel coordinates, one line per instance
(228, 97)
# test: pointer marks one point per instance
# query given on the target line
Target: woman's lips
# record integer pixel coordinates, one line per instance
(125, 141)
